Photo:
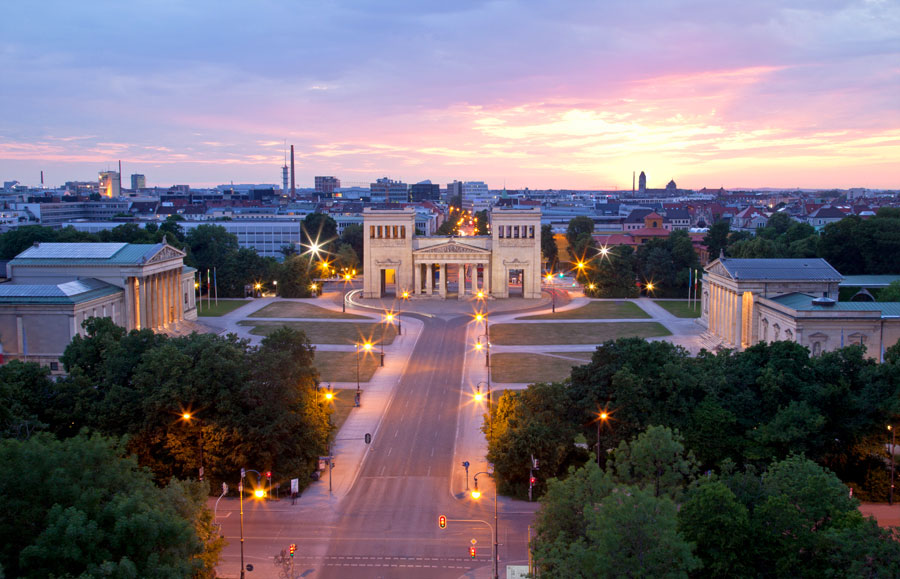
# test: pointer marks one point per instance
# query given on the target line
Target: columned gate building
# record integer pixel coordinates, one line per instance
(397, 261)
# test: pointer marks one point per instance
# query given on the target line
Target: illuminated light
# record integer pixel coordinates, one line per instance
(186, 415)
(329, 395)
(476, 494)
(367, 346)
(405, 295)
(258, 286)
(478, 346)
(259, 493)
(650, 286)
(479, 397)
(480, 294)
(442, 522)
(604, 415)
(479, 317)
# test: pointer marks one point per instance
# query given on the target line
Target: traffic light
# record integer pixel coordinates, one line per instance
(442, 522)
(293, 548)
(472, 551)
(269, 474)
(532, 481)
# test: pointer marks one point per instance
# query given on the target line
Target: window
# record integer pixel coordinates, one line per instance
(531, 231)
(402, 232)
(54, 366)
(371, 232)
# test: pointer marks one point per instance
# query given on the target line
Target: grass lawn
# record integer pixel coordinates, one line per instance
(534, 367)
(679, 308)
(587, 333)
(300, 310)
(330, 332)
(596, 310)
(220, 309)
(341, 366)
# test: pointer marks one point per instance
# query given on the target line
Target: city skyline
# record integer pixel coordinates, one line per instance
(576, 95)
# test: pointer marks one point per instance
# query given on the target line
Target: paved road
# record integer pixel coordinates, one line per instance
(386, 526)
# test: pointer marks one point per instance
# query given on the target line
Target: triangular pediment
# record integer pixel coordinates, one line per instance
(717, 268)
(452, 247)
(166, 253)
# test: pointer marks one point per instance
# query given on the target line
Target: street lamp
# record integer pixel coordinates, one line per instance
(275, 283)
(476, 494)
(313, 287)
(187, 416)
(258, 288)
(602, 418)
(367, 346)
(891, 495)
(241, 498)
(552, 295)
(347, 279)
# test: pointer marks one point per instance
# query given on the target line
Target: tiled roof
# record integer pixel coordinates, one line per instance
(869, 281)
(828, 213)
(637, 215)
(814, 269)
(86, 254)
(71, 292)
(804, 302)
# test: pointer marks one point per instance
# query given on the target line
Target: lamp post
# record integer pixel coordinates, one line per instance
(891, 495)
(347, 279)
(275, 284)
(187, 417)
(476, 494)
(552, 295)
(602, 417)
(367, 347)
(257, 494)
(313, 287)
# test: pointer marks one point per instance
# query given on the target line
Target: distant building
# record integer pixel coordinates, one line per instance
(385, 190)
(671, 186)
(424, 191)
(454, 190)
(138, 181)
(110, 183)
(642, 183)
(326, 185)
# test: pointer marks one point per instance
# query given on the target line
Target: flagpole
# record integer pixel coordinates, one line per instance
(216, 286)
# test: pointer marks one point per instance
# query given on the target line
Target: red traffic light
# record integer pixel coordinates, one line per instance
(268, 474)
(472, 551)
(442, 522)
(293, 548)
(532, 481)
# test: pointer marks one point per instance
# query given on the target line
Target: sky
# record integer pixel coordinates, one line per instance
(562, 94)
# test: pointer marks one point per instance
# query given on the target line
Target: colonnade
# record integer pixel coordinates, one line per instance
(726, 314)
(154, 301)
(424, 278)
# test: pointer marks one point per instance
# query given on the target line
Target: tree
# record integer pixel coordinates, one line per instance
(716, 239)
(172, 226)
(18, 239)
(353, 236)
(24, 388)
(891, 293)
(97, 514)
(346, 259)
(613, 274)
(294, 277)
(209, 246)
(632, 533)
(449, 227)
(319, 229)
(482, 219)
(578, 226)
(712, 518)
(655, 461)
(549, 250)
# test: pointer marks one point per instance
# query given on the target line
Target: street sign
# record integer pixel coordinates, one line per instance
(224, 488)
(295, 486)
(368, 438)
(243, 473)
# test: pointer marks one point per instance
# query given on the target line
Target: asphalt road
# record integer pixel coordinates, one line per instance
(387, 526)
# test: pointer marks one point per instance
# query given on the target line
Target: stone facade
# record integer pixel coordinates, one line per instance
(422, 265)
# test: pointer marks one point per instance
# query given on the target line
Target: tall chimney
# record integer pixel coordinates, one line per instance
(293, 190)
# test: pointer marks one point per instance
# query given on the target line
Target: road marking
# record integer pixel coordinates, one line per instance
(432, 451)
(390, 450)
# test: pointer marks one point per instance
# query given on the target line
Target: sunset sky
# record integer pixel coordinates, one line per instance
(563, 94)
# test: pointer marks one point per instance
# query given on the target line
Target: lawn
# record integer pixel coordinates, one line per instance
(596, 310)
(534, 367)
(679, 308)
(220, 309)
(329, 332)
(341, 366)
(586, 333)
(301, 310)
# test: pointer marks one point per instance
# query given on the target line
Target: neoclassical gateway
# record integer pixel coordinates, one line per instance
(746, 301)
(397, 260)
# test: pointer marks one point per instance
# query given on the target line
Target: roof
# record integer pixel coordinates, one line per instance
(813, 269)
(869, 281)
(804, 302)
(71, 292)
(672, 214)
(87, 254)
(637, 215)
(828, 213)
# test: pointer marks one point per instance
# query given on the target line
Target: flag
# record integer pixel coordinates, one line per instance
(208, 287)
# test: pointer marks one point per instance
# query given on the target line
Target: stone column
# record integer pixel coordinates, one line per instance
(129, 304)
(711, 296)
(739, 321)
(165, 294)
(181, 294)
(731, 316)
(486, 281)
(442, 283)
(429, 279)
(142, 302)
(461, 295)
(417, 279)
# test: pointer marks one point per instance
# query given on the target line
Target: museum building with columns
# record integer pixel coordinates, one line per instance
(52, 288)
(748, 301)
(503, 264)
